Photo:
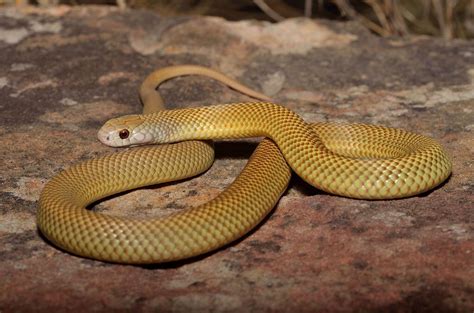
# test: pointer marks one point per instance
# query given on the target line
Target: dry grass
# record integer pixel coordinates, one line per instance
(444, 18)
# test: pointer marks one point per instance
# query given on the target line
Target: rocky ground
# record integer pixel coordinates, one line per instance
(64, 71)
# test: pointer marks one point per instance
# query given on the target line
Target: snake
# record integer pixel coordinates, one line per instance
(352, 160)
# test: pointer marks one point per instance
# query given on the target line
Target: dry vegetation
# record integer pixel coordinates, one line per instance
(445, 18)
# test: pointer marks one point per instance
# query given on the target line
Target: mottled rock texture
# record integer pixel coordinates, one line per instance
(64, 71)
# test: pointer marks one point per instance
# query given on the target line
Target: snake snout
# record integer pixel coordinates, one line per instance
(114, 135)
(106, 137)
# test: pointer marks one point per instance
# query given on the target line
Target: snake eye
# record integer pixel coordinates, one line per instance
(124, 133)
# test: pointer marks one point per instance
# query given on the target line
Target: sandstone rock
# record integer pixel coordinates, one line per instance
(65, 71)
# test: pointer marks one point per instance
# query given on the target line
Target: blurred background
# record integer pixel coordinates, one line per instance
(442, 18)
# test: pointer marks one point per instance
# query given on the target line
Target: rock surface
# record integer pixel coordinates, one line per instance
(65, 71)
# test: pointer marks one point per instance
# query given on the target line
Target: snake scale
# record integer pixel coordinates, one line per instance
(352, 160)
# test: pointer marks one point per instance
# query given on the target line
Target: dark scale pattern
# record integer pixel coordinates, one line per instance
(359, 161)
(63, 219)
(353, 160)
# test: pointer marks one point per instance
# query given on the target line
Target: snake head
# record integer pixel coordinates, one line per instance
(124, 131)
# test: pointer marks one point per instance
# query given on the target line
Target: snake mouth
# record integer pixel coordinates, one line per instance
(105, 136)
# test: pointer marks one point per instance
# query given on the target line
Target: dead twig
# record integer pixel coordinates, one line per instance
(308, 8)
(268, 11)
(348, 10)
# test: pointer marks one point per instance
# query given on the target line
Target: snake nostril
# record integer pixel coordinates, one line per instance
(108, 138)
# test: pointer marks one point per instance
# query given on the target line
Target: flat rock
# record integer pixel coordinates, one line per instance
(66, 70)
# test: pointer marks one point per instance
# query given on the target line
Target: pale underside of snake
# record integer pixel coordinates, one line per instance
(352, 160)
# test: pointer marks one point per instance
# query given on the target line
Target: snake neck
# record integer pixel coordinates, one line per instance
(229, 121)
(242, 120)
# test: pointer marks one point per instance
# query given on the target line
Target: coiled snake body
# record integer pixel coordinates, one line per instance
(353, 160)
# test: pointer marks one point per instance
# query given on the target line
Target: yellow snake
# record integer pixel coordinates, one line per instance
(353, 160)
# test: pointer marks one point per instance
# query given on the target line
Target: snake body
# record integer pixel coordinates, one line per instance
(63, 219)
(353, 160)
